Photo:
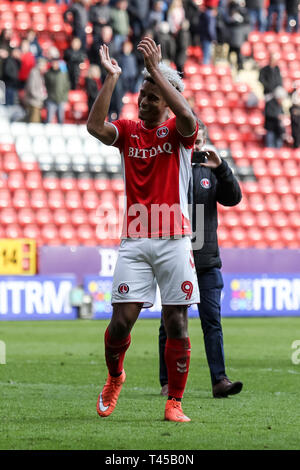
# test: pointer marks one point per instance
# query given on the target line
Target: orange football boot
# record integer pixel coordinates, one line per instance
(173, 412)
(108, 398)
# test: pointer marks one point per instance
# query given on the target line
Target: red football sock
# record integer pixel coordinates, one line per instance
(177, 357)
(115, 353)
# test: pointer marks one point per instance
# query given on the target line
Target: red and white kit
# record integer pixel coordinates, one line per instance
(157, 171)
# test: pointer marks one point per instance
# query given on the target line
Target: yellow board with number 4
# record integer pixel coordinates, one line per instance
(17, 256)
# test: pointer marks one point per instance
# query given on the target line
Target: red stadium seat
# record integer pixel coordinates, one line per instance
(56, 199)
(280, 219)
(68, 183)
(49, 234)
(44, 216)
(51, 182)
(5, 198)
(256, 202)
(86, 235)
(288, 203)
(79, 217)
(38, 199)
(272, 202)
(32, 231)
(90, 200)
(247, 219)
(33, 180)
(263, 219)
(289, 237)
(26, 216)
(13, 231)
(11, 162)
(8, 216)
(272, 236)
(3, 180)
(67, 235)
(294, 219)
(85, 184)
(73, 200)
(231, 219)
(61, 216)
(20, 198)
(102, 183)
(15, 180)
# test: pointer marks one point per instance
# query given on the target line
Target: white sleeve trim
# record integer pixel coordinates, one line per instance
(117, 134)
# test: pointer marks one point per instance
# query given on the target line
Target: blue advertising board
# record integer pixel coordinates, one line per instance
(36, 297)
(244, 295)
(261, 295)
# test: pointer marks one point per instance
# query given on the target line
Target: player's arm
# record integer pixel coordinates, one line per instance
(96, 125)
(185, 119)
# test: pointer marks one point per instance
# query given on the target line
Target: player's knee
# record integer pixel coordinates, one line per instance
(175, 320)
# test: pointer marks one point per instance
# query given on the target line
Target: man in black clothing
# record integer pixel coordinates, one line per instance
(270, 76)
(213, 181)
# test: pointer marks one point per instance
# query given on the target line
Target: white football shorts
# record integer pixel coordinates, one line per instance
(143, 262)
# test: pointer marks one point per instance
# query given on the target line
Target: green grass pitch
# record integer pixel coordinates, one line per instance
(55, 370)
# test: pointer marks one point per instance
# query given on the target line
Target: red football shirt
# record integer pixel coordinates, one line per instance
(157, 171)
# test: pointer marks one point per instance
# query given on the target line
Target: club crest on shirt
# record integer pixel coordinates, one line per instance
(123, 288)
(205, 183)
(162, 131)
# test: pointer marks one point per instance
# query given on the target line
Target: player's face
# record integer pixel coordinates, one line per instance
(152, 106)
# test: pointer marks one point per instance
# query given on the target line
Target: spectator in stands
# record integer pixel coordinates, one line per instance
(257, 16)
(35, 91)
(129, 66)
(274, 118)
(182, 41)
(237, 23)
(92, 84)
(120, 22)
(276, 7)
(292, 14)
(10, 75)
(192, 15)
(34, 45)
(156, 15)
(99, 16)
(27, 62)
(77, 16)
(163, 37)
(74, 56)
(295, 118)
(5, 39)
(58, 86)
(207, 32)
(270, 75)
(139, 11)
(175, 16)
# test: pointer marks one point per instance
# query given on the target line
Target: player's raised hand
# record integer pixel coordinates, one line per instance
(151, 52)
(212, 158)
(111, 65)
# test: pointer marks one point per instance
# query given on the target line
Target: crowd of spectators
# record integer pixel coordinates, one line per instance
(175, 24)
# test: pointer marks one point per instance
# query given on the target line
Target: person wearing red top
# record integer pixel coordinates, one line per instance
(27, 62)
(155, 248)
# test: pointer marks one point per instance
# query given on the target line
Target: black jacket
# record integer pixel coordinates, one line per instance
(219, 185)
(270, 78)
